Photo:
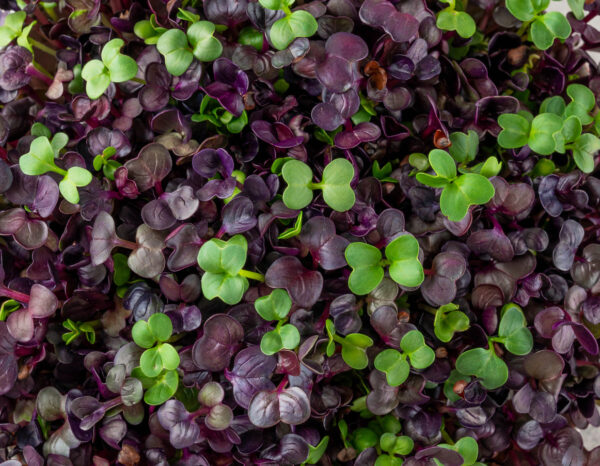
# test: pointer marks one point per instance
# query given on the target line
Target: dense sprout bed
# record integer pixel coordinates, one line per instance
(276, 233)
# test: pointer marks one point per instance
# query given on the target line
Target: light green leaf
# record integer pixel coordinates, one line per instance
(541, 136)
(513, 329)
(274, 306)
(299, 24)
(582, 103)
(79, 176)
(584, 148)
(68, 189)
(442, 163)
(464, 146)
(173, 45)
(367, 272)
(205, 47)
(485, 365)
(337, 192)
(394, 365)
(163, 388)
(39, 159)
(548, 27)
(459, 21)
(515, 130)
(405, 268)
(298, 177)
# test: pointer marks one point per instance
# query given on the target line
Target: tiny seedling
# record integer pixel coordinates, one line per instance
(113, 67)
(276, 307)
(402, 257)
(394, 363)
(450, 19)
(337, 192)
(484, 363)
(222, 262)
(158, 364)
(544, 28)
(354, 346)
(458, 191)
(40, 160)
(299, 23)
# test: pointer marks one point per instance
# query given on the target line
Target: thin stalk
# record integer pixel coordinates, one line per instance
(13, 294)
(125, 244)
(35, 70)
(138, 80)
(43, 47)
(252, 275)
(447, 438)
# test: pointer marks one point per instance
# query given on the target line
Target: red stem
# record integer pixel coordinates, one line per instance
(12, 294)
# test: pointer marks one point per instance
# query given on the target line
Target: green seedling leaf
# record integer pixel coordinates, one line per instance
(114, 67)
(570, 131)
(275, 4)
(419, 161)
(151, 362)
(403, 255)
(485, 365)
(205, 47)
(8, 307)
(383, 173)
(469, 189)
(39, 129)
(161, 326)
(513, 330)
(584, 148)
(300, 23)
(316, 452)
(222, 262)
(294, 231)
(396, 445)
(465, 146)
(354, 350)
(547, 27)
(252, 37)
(275, 306)
(169, 356)
(577, 8)
(173, 45)
(337, 192)
(582, 103)
(413, 344)
(448, 320)
(459, 21)
(120, 67)
(142, 335)
(525, 10)
(298, 176)
(515, 130)
(148, 30)
(467, 448)
(541, 136)
(284, 337)
(394, 365)
(162, 388)
(454, 377)
(491, 167)
(555, 104)
(97, 78)
(39, 159)
(187, 15)
(367, 272)
(443, 164)
(12, 27)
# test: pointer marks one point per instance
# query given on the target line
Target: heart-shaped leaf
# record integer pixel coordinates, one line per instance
(337, 192)
(367, 272)
(485, 365)
(403, 254)
(448, 320)
(300, 23)
(173, 45)
(513, 329)
(274, 306)
(39, 159)
(394, 365)
(298, 176)
(268, 408)
(205, 47)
